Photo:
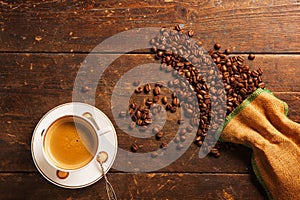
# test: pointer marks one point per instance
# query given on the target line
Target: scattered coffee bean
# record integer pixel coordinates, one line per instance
(251, 56)
(164, 100)
(156, 90)
(159, 84)
(147, 88)
(227, 51)
(159, 135)
(138, 90)
(164, 145)
(191, 33)
(215, 152)
(199, 143)
(217, 46)
(149, 102)
(179, 27)
(160, 53)
(134, 147)
(155, 99)
(173, 109)
(239, 80)
(175, 101)
(168, 107)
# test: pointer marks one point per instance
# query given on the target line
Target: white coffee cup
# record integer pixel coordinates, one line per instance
(72, 142)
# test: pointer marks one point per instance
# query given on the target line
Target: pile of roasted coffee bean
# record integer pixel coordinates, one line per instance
(239, 80)
(188, 62)
(142, 113)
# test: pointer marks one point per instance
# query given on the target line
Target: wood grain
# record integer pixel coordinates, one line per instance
(26, 98)
(78, 26)
(137, 186)
(21, 114)
(57, 72)
(44, 43)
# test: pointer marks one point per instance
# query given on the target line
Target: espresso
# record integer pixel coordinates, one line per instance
(70, 143)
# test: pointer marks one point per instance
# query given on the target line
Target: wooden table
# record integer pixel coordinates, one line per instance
(43, 44)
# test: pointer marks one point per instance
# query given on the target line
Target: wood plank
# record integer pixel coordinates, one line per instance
(137, 186)
(21, 112)
(69, 26)
(22, 105)
(57, 72)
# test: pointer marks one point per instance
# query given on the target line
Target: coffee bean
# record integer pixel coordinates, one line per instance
(238, 80)
(164, 100)
(172, 109)
(134, 147)
(147, 88)
(131, 111)
(164, 145)
(149, 102)
(148, 121)
(251, 56)
(241, 59)
(160, 53)
(227, 51)
(133, 105)
(217, 46)
(260, 71)
(155, 99)
(168, 107)
(138, 114)
(175, 101)
(243, 91)
(139, 122)
(254, 73)
(179, 27)
(198, 138)
(191, 33)
(159, 135)
(261, 85)
(156, 90)
(199, 143)
(138, 90)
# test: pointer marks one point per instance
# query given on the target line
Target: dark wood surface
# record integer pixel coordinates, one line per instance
(43, 44)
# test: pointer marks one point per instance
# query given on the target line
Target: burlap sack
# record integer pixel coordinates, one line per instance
(260, 123)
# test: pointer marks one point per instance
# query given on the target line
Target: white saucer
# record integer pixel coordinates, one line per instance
(91, 173)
